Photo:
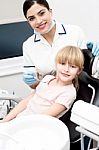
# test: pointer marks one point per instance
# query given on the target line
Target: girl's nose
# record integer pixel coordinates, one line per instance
(66, 67)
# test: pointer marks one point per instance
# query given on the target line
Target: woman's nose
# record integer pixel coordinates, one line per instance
(38, 20)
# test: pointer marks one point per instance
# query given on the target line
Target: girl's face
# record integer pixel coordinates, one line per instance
(39, 18)
(66, 73)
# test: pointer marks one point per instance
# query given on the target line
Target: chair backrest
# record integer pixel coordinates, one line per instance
(89, 58)
(84, 93)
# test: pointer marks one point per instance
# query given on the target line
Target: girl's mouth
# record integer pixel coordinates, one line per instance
(65, 75)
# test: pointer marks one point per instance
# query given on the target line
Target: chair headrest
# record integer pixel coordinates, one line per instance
(86, 79)
(89, 58)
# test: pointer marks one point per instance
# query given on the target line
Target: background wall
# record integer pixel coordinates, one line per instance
(11, 11)
(13, 83)
(79, 12)
(84, 13)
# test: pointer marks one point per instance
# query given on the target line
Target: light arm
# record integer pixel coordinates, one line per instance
(19, 108)
(55, 110)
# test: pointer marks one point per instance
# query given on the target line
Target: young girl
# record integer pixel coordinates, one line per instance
(55, 94)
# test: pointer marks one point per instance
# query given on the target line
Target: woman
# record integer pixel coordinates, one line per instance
(55, 93)
(49, 36)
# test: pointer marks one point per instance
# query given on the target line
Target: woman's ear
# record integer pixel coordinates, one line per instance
(50, 10)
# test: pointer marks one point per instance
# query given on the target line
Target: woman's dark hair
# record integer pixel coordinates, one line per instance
(28, 3)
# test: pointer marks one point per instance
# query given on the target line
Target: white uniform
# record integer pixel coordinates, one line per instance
(39, 53)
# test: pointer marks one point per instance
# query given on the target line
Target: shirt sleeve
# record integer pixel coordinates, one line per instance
(26, 58)
(66, 99)
(27, 62)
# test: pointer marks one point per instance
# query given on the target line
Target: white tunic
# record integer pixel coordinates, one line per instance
(39, 53)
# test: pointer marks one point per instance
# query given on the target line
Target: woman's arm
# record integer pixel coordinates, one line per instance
(33, 86)
(18, 108)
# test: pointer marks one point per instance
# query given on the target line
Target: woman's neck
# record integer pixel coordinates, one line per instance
(50, 35)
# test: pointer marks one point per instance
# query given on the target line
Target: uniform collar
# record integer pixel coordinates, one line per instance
(60, 30)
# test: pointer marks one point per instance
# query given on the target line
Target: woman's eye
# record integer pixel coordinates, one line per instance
(31, 19)
(42, 13)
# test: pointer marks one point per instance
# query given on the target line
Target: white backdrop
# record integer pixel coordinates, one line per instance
(84, 13)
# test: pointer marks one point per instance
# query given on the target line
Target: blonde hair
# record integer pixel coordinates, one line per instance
(73, 55)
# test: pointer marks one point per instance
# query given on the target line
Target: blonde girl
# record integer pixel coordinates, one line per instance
(55, 94)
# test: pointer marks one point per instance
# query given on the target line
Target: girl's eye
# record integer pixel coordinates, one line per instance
(63, 63)
(73, 66)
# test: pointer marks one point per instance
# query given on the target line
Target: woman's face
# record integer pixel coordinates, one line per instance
(39, 18)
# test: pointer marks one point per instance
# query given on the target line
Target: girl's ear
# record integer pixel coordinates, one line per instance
(79, 71)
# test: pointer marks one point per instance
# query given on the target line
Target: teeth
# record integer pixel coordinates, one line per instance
(42, 25)
(65, 74)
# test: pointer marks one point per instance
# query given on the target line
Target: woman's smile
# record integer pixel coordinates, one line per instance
(41, 26)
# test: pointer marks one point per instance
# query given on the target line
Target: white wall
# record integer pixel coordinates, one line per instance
(84, 13)
(11, 11)
(11, 77)
(14, 83)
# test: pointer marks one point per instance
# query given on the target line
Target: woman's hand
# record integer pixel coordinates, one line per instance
(29, 78)
(94, 46)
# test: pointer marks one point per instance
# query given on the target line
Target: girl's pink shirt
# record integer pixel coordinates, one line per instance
(46, 96)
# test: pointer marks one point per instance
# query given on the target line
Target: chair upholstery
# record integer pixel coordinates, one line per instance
(89, 59)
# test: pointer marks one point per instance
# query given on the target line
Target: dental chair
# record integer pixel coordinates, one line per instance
(89, 59)
(88, 92)
(84, 93)
(88, 112)
(86, 115)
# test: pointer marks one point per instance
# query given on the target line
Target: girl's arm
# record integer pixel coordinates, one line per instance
(55, 110)
(18, 108)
